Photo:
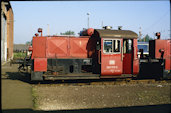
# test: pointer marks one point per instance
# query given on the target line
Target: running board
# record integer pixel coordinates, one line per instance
(67, 77)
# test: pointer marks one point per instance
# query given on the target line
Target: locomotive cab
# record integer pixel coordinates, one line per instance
(118, 54)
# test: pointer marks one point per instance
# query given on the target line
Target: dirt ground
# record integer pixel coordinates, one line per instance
(51, 97)
(20, 95)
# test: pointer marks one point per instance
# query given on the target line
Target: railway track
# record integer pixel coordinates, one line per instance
(127, 81)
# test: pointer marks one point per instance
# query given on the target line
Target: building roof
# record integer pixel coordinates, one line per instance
(20, 47)
(144, 43)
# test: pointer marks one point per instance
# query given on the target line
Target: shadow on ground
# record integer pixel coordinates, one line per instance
(24, 77)
(164, 108)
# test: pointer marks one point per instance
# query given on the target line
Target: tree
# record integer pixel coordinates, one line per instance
(145, 39)
(28, 43)
(68, 33)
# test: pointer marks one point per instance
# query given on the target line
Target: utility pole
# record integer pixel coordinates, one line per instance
(154, 35)
(48, 30)
(140, 34)
(88, 19)
(102, 24)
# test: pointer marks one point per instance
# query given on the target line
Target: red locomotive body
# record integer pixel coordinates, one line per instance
(96, 54)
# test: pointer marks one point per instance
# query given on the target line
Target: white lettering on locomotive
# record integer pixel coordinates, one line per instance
(111, 67)
(111, 62)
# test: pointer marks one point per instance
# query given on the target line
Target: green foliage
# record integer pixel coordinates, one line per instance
(19, 55)
(28, 43)
(68, 33)
(35, 97)
(145, 39)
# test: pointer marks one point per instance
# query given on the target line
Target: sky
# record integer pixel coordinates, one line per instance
(61, 16)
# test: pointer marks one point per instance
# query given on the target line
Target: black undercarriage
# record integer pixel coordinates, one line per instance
(74, 68)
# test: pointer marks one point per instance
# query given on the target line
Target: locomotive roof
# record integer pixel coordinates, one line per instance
(106, 33)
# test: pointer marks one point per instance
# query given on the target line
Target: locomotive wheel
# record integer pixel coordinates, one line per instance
(36, 76)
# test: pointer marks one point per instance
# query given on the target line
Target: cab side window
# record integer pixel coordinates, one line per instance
(116, 44)
(111, 46)
(127, 43)
(108, 46)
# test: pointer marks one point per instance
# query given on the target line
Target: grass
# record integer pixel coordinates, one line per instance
(35, 97)
(19, 55)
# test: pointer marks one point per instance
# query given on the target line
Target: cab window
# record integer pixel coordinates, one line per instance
(111, 46)
(127, 44)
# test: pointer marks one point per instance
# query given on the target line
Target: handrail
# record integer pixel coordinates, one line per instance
(122, 54)
(134, 53)
(99, 57)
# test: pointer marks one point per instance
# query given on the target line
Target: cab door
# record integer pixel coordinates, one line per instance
(111, 56)
(127, 56)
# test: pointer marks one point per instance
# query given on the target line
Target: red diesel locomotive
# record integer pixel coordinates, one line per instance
(98, 53)
(95, 54)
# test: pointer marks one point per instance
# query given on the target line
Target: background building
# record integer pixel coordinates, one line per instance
(7, 31)
(20, 47)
